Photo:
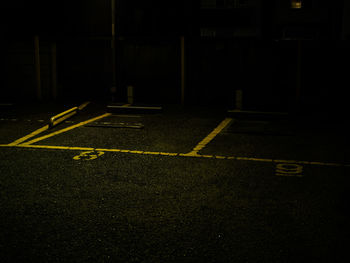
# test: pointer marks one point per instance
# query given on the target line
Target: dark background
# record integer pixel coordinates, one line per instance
(248, 45)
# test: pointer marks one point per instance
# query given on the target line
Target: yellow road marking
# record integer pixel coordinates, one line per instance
(190, 154)
(175, 154)
(47, 147)
(66, 114)
(210, 137)
(253, 159)
(137, 152)
(34, 133)
(87, 156)
(80, 148)
(66, 129)
(207, 156)
(72, 110)
(152, 153)
(108, 150)
(54, 122)
(168, 154)
(58, 121)
(82, 106)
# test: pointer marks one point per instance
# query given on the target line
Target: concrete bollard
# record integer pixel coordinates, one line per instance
(130, 90)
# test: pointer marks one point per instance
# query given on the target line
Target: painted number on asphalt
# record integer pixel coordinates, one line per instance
(289, 169)
(87, 156)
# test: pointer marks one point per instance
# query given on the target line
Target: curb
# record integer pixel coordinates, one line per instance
(57, 119)
(127, 108)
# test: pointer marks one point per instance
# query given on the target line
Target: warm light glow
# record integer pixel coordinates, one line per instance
(296, 4)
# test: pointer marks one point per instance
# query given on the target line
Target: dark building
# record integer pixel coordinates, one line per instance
(249, 54)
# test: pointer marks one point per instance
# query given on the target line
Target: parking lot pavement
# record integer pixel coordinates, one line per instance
(182, 187)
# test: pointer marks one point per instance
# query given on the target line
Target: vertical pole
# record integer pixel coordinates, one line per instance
(113, 42)
(54, 70)
(182, 70)
(298, 76)
(130, 91)
(239, 90)
(37, 67)
(239, 99)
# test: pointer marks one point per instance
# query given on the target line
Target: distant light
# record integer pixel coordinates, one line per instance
(296, 4)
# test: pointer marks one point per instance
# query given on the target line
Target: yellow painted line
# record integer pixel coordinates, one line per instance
(151, 153)
(54, 120)
(310, 163)
(81, 149)
(284, 161)
(34, 133)
(46, 147)
(58, 121)
(137, 152)
(66, 129)
(66, 114)
(175, 154)
(60, 115)
(190, 154)
(168, 154)
(108, 150)
(211, 136)
(207, 156)
(251, 159)
(82, 106)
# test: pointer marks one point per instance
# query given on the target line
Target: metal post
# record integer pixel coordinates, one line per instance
(182, 70)
(113, 42)
(54, 70)
(37, 67)
(298, 76)
(239, 99)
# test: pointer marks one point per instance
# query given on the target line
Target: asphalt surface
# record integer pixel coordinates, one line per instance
(257, 191)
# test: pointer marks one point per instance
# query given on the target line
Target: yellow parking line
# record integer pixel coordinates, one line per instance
(107, 150)
(80, 149)
(251, 159)
(30, 135)
(137, 152)
(82, 106)
(176, 154)
(210, 137)
(46, 147)
(55, 122)
(71, 112)
(66, 129)
(151, 153)
(58, 118)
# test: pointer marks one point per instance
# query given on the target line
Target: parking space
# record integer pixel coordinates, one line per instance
(170, 187)
(18, 121)
(158, 134)
(311, 147)
(177, 134)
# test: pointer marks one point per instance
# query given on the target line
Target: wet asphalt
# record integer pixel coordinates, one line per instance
(261, 191)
